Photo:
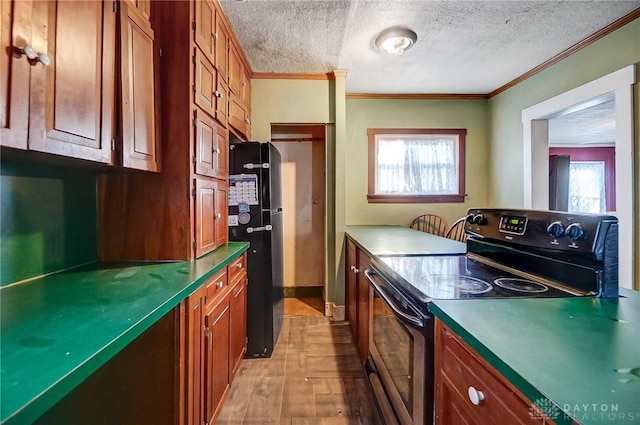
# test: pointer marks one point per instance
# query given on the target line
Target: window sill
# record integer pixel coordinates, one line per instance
(415, 199)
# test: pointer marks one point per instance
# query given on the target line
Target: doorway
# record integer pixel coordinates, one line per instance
(535, 121)
(303, 152)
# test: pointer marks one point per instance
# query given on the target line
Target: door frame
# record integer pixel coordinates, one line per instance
(536, 153)
(317, 130)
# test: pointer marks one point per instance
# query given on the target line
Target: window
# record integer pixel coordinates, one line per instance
(586, 187)
(416, 165)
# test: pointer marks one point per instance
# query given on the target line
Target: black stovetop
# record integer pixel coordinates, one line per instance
(423, 278)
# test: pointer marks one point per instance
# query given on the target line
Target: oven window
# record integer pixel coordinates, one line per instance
(395, 346)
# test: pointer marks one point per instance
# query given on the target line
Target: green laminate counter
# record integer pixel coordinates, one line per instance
(582, 354)
(59, 329)
(398, 240)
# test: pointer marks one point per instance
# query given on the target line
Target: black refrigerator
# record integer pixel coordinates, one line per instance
(255, 216)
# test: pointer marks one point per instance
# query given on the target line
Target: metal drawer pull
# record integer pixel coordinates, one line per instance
(476, 397)
(219, 284)
(239, 265)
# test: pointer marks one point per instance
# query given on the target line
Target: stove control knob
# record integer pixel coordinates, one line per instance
(469, 218)
(556, 229)
(575, 232)
(479, 219)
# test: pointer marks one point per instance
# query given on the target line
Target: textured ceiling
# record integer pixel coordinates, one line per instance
(592, 123)
(471, 47)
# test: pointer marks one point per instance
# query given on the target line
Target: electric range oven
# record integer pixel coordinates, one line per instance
(510, 253)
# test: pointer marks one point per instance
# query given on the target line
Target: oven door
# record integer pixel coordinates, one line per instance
(398, 348)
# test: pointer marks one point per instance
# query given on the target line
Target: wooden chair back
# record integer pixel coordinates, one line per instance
(456, 231)
(430, 223)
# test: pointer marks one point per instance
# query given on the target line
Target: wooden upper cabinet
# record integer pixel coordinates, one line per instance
(205, 28)
(211, 215)
(15, 35)
(139, 148)
(221, 60)
(220, 218)
(235, 71)
(211, 147)
(205, 84)
(245, 88)
(222, 102)
(72, 99)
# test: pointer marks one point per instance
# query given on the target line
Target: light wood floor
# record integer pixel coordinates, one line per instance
(314, 376)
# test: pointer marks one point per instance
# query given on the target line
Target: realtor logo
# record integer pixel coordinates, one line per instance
(543, 408)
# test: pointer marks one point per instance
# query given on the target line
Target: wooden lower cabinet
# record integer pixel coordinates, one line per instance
(215, 342)
(216, 358)
(469, 391)
(357, 296)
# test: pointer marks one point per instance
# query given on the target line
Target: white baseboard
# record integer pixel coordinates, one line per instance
(334, 311)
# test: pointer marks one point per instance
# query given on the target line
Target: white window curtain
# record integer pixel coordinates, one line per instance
(416, 166)
(587, 187)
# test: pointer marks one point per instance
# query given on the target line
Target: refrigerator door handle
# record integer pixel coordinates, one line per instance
(267, 228)
(252, 166)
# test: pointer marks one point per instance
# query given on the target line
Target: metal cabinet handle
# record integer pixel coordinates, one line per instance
(239, 265)
(31, 54)
(218, 215)
(248, 121)
(217, 94)
(219, 284)
(216, 150)
(475, 396)
(355, 270)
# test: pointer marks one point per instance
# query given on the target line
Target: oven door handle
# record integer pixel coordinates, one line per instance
(412, 321)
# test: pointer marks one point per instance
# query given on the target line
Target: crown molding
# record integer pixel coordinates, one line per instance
(631, 16)
(440, 96)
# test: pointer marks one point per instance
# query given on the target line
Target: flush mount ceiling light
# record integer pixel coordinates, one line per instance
(396, 41)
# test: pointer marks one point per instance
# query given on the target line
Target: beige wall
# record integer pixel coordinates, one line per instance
(613, 52)
(311, 102)
(389, 113)
(288, 102)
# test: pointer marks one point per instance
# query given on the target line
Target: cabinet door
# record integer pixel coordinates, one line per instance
(221, 213)
(205, 84)
(246, 89)
(139, 149)
(212, 146)
(351, 286)
(216, 359)
(195, 357)
(15, 34)
(211, 215)
(206, 135)
(72, 99)
(205, 212)
(363, 304)
(237, 114)
(221, 48)
(235, 71)
(238, 306)
(205, 28)
(222, 102)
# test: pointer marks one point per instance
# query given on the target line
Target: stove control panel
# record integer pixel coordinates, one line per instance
(560, 231)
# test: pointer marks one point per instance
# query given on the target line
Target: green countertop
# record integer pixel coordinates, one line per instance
(57, 330)
(398, 240)
(581, 354)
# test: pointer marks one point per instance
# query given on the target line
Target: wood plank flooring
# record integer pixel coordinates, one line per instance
(314, 377)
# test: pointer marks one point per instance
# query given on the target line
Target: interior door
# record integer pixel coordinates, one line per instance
(559, 182)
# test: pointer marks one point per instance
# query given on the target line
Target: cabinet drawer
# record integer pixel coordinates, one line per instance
(461, 371)
(214, 286)
(237, 268)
